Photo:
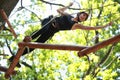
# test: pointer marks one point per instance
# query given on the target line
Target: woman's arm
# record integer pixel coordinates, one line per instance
(61, 11)
(79, 26)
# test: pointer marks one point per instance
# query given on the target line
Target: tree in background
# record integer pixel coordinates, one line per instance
(65, 65)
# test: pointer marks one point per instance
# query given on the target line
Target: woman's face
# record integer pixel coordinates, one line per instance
(82, 17)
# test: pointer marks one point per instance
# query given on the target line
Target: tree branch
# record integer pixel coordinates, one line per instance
(26, 64)
(110, 63)
(9, 48)
(73, 8)
(104, 59)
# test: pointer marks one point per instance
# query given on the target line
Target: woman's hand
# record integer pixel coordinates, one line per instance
(70, 4)
(62, 10)
(109, 24)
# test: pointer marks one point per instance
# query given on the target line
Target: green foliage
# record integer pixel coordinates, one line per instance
(106, 75)
(66, 65)
(117, 1)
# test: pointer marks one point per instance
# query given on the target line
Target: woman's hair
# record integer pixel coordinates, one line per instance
(79, 13)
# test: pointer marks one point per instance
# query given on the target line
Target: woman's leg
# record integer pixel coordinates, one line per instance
(45, 36)
(37, 33)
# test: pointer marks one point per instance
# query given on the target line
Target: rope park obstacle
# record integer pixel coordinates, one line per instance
(83, 50)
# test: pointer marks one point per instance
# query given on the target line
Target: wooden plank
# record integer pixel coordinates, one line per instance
(98, 46)
(14, 63)
(51, 46)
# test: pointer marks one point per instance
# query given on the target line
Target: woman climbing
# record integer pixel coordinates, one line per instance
(63, 22)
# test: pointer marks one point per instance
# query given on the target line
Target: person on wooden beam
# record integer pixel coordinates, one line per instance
(64, 22)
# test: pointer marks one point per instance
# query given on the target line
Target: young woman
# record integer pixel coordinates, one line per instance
(63, 22)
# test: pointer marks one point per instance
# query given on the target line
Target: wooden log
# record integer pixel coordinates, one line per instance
(16, 58)
(14, 63)
(2, 12)
(52, 46)
(98, 46)
(4, 69)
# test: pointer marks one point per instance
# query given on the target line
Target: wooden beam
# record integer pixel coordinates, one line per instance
(14, 63)
(52, 46)
(4, 16)
(98, 46)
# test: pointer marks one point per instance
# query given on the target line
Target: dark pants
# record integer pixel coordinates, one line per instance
(44, 34)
